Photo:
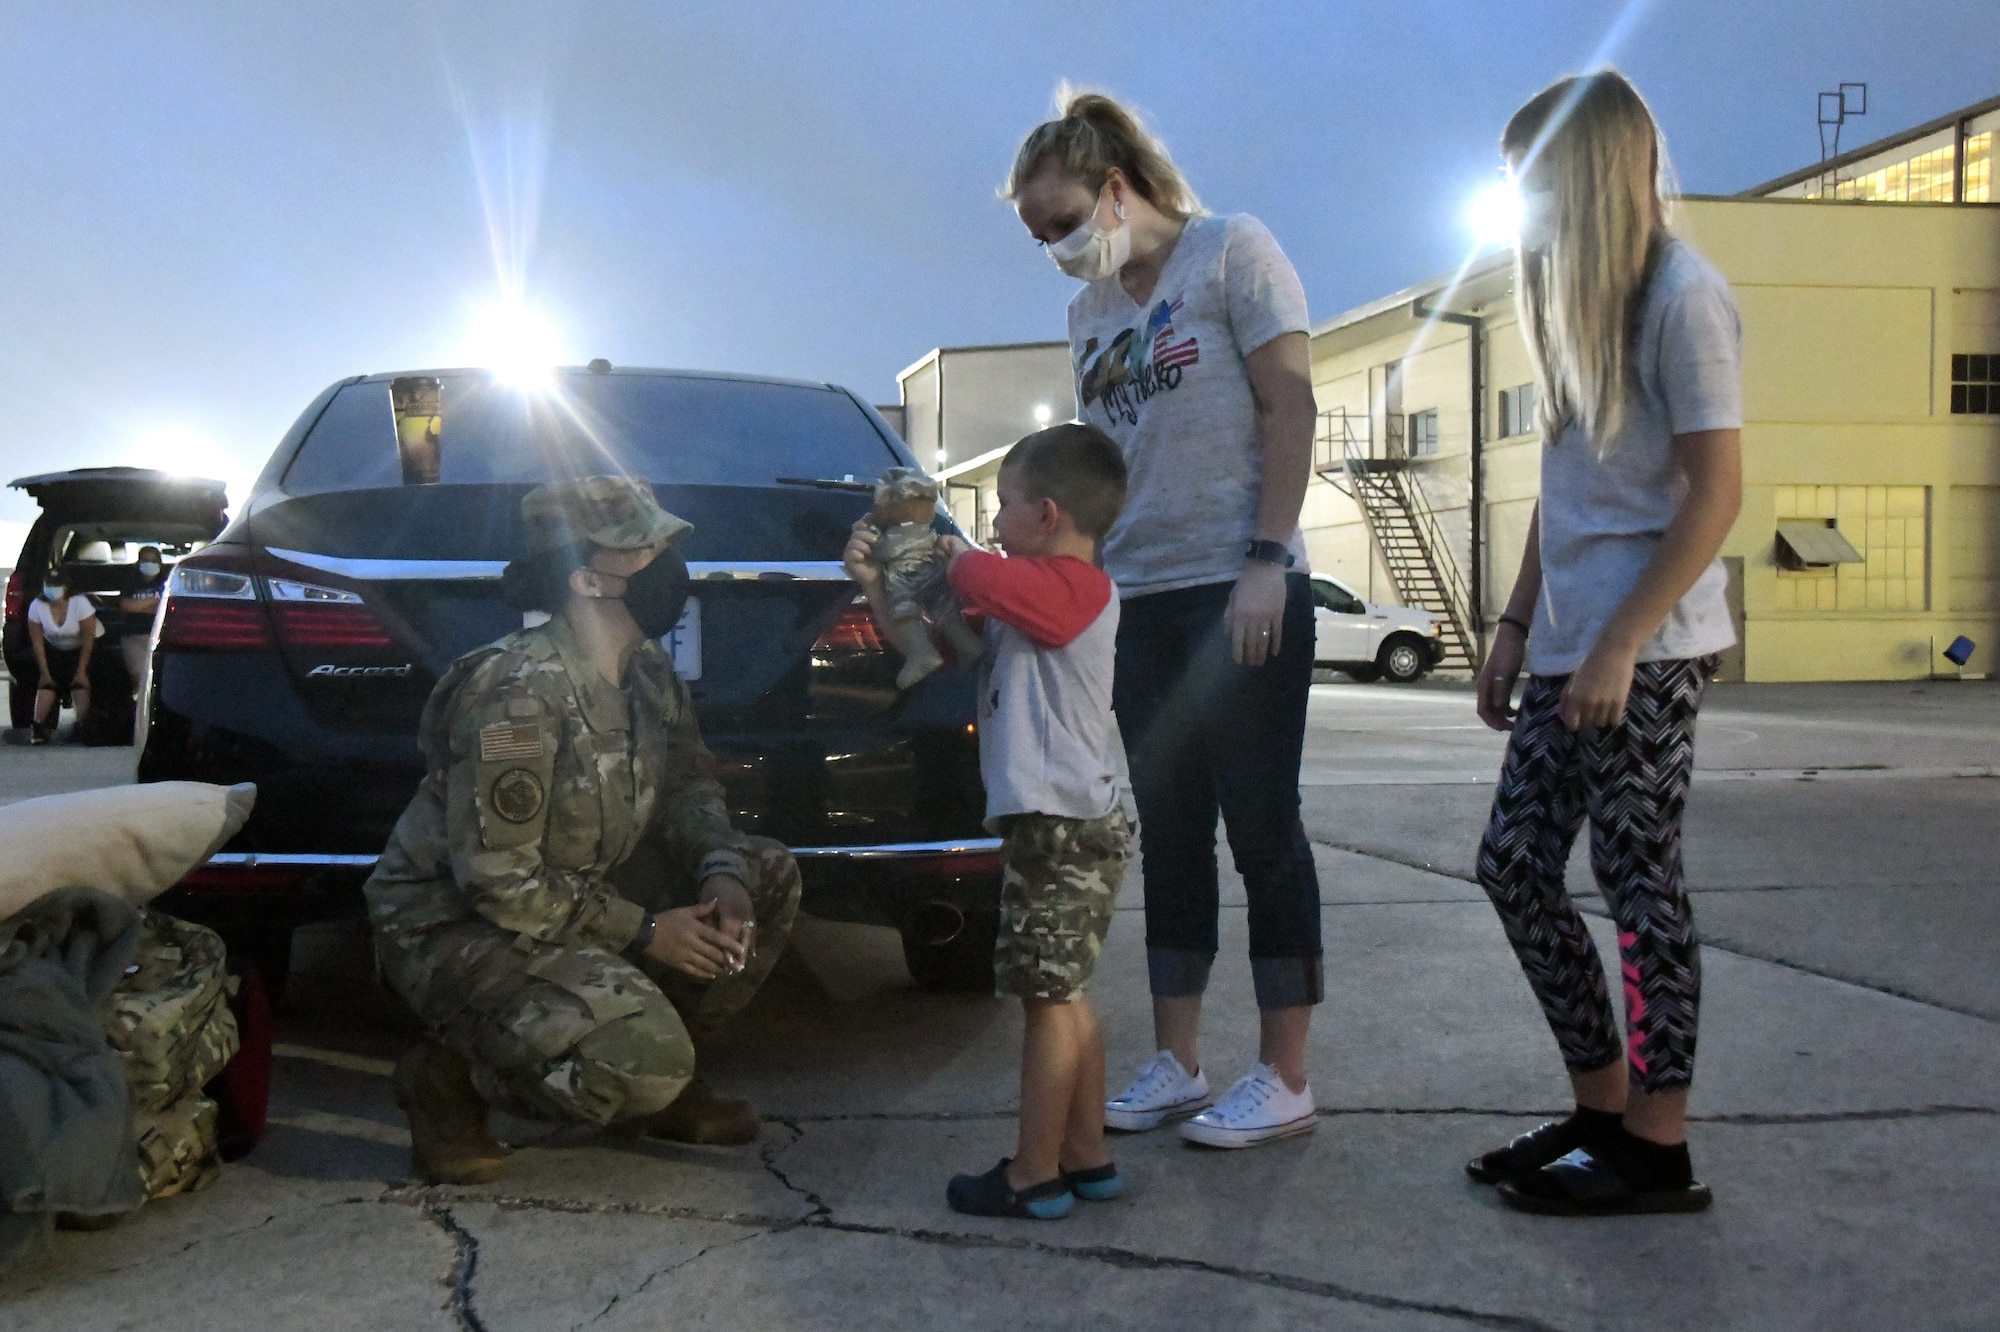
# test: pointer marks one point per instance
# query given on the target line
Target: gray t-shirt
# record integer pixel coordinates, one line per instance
(1602, 518)
(1167, 382)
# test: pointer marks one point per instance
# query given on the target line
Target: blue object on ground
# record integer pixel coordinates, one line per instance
(1960, 650)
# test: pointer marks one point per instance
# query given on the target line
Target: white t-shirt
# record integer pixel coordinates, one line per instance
(68, 635)
(1602, 519)
(1167, 382)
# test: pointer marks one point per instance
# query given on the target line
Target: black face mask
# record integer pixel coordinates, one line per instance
(657, 593)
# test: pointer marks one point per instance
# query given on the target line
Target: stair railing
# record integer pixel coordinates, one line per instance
(1381, 486)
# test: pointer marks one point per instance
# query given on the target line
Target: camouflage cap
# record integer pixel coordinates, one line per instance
(616, 512)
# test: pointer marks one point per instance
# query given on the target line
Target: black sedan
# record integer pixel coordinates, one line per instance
(297, 650)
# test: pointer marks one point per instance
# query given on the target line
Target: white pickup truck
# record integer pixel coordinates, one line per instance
(1369, 641)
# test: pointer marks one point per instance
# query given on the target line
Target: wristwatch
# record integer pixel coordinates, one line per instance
(1270, 552)
(644, 938)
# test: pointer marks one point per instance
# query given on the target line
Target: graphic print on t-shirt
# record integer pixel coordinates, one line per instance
(1141, 361)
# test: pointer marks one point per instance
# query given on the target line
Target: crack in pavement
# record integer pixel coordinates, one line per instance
(9, 1292)
(769, 1154)
(465, 1263)
(821, 1216)
(1718, 942)
(669, 1270)
(1748, 1117)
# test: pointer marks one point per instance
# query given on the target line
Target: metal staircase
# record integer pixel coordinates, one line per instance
(1400, 520)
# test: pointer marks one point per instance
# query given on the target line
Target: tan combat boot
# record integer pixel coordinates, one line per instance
(449, 1143)
(698, 1115)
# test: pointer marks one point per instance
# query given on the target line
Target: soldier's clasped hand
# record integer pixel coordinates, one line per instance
(687, 939)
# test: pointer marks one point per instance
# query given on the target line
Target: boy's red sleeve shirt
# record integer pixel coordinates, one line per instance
(1051, 599)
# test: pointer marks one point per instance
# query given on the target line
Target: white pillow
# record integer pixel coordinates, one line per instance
(132, 841)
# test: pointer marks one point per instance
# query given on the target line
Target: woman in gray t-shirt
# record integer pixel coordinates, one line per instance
(1188, 340)
(1618, 611)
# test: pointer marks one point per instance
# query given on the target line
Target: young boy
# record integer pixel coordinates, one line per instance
(1051, 792)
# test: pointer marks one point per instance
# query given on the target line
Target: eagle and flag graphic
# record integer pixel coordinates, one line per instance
(1141, 361)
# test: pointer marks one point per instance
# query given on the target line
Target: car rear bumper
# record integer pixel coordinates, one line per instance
(969, 848)
(872, 884)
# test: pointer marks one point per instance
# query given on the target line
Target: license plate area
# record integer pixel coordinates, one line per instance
(683, 641)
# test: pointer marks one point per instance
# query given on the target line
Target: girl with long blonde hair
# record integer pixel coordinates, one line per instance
(1618, 615)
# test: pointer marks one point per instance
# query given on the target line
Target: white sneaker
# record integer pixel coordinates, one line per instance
(1162, 1091)
(1259, 1108)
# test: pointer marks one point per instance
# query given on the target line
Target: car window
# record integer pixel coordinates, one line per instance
(1337, 599)
(669, 429)
(79, 548)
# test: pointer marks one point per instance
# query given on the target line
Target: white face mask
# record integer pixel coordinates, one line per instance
(1538, 220)
(52, 591)
(1090, 252)
(148, 569)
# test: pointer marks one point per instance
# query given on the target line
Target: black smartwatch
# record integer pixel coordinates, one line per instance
(644, 938)
(1270, 552)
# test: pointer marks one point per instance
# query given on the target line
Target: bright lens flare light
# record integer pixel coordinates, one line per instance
(515, 343)
(1494, 216)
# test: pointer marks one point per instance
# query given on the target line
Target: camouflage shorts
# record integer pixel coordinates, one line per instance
(1059, 883)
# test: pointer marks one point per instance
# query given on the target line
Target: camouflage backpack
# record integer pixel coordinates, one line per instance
(170, 1018)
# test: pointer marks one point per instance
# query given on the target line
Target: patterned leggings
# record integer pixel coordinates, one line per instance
(1631, 781)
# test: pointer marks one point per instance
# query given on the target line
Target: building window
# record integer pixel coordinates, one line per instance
(1424, 434)
(1979, 167)
(1517, 411)
(1887, 531)
(1975, 385)
(1924, 173)
(1816, 544)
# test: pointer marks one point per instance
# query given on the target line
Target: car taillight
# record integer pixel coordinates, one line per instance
(311, 616)
(242, 878)
(212, 605)
(854, 631)
(17, 596)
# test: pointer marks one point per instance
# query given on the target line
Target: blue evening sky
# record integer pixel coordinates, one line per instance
(210, 211)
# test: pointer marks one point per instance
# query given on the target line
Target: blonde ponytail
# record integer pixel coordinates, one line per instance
(1093, 135)
(1591, 141)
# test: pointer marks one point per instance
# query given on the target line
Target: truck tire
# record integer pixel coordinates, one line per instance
(1404, 659)
(949, 960)
(267, 949)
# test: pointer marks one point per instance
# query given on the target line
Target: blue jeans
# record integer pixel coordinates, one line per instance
(1204, 735)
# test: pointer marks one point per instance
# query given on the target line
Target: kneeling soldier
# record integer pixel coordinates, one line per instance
(544, 987)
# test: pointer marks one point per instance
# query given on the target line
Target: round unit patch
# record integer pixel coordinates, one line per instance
(517, 795)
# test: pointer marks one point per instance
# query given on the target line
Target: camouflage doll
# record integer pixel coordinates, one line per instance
(914, 575)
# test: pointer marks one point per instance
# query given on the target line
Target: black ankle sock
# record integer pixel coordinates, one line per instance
(1597, 1125)
(1646, 1164)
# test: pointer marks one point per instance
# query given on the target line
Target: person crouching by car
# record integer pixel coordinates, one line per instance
(1052, 792)
(62, 629)
(137, 607)
(543, 988)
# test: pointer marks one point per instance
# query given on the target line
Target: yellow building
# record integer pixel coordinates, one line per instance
(1870, 533)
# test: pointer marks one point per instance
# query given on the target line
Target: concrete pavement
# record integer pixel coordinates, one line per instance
(1847, 1102)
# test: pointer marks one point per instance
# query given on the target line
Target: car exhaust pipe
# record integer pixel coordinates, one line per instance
(936, 923)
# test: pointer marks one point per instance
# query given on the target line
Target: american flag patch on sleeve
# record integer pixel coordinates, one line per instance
(502, 742)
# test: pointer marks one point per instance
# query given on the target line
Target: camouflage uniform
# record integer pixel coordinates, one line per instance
(1059, 884)
(496, 913)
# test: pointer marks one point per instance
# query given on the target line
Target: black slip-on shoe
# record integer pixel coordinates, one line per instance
(991, 1195)
(1097, 1184)
(1528, 1153)
(1580, 1184)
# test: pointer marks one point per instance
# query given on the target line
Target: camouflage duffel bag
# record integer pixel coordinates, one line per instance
(177, 1148)
(170, 1015)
